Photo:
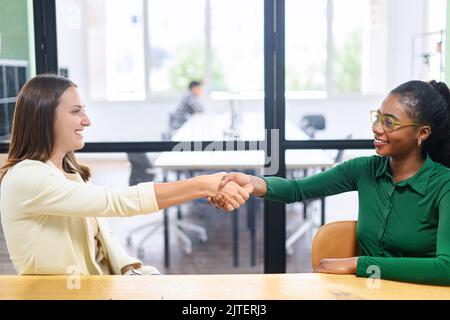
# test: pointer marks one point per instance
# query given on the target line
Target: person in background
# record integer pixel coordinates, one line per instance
(189, 105)
(52, 217)
(403, 228)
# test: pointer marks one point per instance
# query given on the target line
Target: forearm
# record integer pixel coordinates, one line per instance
(281, 190)
(333, 181)
(173, 193)
(419, 270)
(338, 266)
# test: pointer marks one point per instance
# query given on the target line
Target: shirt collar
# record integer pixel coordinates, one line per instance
(418, 182)
(383, 168)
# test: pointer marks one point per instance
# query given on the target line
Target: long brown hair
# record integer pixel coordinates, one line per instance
(32, 135)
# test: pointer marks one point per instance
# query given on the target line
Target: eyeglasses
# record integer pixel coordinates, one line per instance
(388, 123)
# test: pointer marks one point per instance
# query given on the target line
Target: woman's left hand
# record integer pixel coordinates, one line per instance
(130, 267)
(338, 266)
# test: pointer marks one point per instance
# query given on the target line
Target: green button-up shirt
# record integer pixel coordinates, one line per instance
(403, 228)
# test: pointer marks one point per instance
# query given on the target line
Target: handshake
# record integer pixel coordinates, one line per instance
(234, 189)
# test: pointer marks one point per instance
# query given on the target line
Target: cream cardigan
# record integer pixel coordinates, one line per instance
(44, 212)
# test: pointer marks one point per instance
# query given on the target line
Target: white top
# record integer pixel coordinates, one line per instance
(44, 217)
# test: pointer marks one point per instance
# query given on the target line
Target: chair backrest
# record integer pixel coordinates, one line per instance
(334, 240)
(139, 168)
(340, 153)
(311, 123)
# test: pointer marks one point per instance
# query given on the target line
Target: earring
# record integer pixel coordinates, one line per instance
(419, 142)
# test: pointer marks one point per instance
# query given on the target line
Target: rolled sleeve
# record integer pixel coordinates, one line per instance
(38, 189)
(147, 197)
(361, 267)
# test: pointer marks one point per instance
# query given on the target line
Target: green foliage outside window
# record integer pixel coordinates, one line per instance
(191, 65)
(347, 64)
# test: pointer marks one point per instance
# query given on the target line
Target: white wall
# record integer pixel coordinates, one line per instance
(406, 19)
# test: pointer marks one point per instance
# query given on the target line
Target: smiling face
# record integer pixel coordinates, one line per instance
(403, 140)
(70, 121)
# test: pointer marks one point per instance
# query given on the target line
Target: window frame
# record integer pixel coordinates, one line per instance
(274, 108)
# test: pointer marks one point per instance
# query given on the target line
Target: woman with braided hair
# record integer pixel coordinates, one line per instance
(403, 227)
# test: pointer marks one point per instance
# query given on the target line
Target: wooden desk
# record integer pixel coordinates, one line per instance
(215, 287)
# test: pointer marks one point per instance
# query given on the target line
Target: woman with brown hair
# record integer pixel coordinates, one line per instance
(51, 216)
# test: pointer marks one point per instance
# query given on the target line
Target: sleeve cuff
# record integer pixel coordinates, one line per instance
(361, 267)
(269, 195)
(147, 197)
(281, 190)
(268, 186)
(126, 261)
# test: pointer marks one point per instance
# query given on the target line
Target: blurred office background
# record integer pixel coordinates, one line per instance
(133, 60)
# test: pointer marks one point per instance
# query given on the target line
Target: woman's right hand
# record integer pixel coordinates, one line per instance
(173, 193)
(258, 185)
(231, 193)
(254, 185)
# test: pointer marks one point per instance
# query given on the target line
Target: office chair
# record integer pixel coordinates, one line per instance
(3, 248)
(173, 127)
(142, 171)
(141, 168)
(333, 241)
(308, 222)
(310, 124)
(6, 266)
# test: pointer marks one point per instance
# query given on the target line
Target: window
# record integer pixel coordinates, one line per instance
(16, 57)
(237, 64)
(223, 38)
(198, 45)
(115, 43)
(429, 47)
(133, 61)
(349, 18)
(177, 44)
(129, 42)
(324, 46)
(306, 46)
(13, 75)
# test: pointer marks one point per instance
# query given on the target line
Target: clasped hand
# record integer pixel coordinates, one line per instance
(234, 190)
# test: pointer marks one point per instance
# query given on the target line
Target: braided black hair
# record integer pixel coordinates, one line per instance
(429, 102)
